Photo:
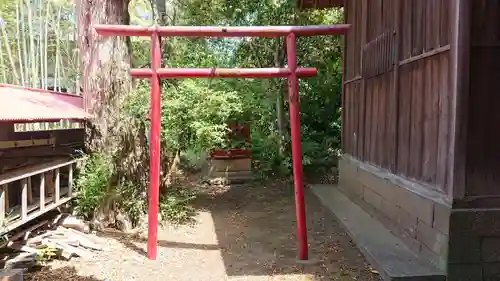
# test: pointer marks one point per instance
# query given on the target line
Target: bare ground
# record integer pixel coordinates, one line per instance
(239, 234)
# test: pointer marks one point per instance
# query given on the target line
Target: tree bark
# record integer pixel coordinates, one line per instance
(106, 61)
(106, 84)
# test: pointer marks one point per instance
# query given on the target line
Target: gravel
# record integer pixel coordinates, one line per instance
(244, 233)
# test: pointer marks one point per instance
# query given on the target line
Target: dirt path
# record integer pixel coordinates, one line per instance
(239, 234)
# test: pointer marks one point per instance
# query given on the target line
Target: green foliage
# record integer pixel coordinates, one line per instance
(194, 115)
(92, 183)
(96, 175)
(195, 112)
(45, 254)
(175, 206)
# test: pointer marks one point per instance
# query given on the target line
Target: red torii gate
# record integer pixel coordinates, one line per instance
(292, 72)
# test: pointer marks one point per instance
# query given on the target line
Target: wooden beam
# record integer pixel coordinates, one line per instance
(33, 170)
(24, 199)
(357, 78)
(42, 192)
(395, 80)
(460, 34)
(57, 186)
(26, 143)
(35, 215)
(70, 180)
(434, 52)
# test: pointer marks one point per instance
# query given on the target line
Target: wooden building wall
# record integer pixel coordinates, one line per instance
(483, 135)
(396, 87)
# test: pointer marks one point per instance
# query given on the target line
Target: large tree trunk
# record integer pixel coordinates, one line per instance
(106, 61)
(106, 83)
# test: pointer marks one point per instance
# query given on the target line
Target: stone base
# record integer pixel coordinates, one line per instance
(231, 171)
(386, 253)
(463, 241)
(474, 245)
(416, 214)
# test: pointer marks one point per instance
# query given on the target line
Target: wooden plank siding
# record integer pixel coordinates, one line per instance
(396, 86)
(483, 136)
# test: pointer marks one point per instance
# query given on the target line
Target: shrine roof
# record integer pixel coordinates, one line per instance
(20, 104)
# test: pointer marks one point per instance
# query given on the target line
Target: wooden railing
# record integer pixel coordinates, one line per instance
(43, 180)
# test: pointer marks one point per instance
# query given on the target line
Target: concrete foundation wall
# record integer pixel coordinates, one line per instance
(420, 222)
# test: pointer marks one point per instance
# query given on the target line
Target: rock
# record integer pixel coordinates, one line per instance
(75, 223)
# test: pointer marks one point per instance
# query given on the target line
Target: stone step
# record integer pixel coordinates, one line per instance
(242, 175)
(382, 249)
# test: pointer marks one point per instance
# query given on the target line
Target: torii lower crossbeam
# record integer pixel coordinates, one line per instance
(292, 72)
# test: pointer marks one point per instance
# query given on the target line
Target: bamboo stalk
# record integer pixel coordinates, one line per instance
(34, 79)
(41, 38)
(24, 47)
(2, 63)
(18, 39)
(58, 46)
(9, 53)
(47, 16)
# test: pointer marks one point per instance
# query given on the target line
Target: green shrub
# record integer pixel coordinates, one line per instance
(92, 184)
(175, 205)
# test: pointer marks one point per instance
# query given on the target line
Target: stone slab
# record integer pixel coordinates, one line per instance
(384, 250)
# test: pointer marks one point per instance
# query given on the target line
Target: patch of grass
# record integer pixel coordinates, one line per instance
(176, 205)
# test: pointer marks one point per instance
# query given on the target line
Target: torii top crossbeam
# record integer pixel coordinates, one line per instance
(292, 72)
(220, 31)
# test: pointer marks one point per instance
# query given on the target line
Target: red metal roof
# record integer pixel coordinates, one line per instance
(19, 104)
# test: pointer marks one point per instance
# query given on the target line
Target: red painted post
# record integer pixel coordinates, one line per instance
(298, 178)
(154, 148)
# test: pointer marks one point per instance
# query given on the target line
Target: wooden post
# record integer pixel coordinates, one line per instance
(42, 191)
(24, 198)
(4, 198)
(57, 186)
(70, 180)
(3, 201)
(30, 191)
(49, 182)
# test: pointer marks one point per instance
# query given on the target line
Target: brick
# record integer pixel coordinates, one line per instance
(413, 244)
(438, 261)
(11, 274)
(462, 222)
(432, 238)
(490, 249)
(414, 204)
(464, 248)
(441, 220)
(347, 168)
(491, 272)
(481, 222)
(487, 222)
(389, 209)
(372, 198)
(407, 222)
(380, 185)
(465, 272)
(348, 178)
